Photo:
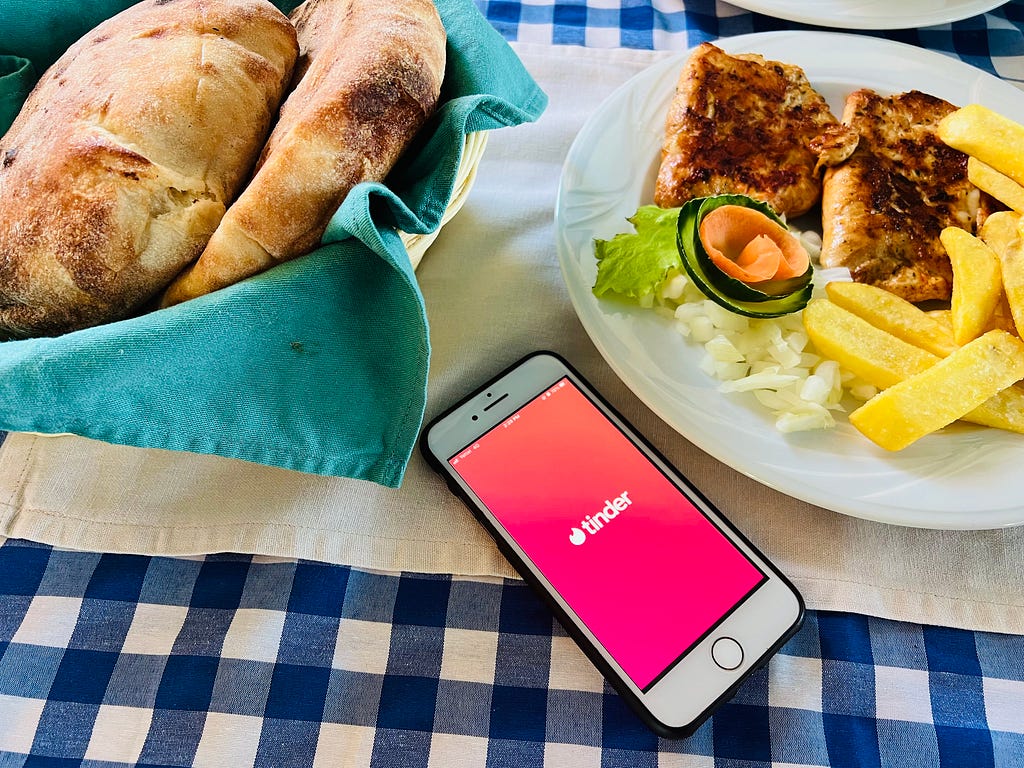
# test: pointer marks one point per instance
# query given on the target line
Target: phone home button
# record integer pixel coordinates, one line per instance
(727, 653)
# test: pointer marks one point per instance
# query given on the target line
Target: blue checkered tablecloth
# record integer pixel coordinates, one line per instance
(993, 41)
(113, 660)
(229, 660)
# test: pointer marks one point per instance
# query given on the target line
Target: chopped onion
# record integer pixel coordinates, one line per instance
(771, 357)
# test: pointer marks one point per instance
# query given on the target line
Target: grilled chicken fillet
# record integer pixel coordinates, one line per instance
(744, 125)
(883, 209)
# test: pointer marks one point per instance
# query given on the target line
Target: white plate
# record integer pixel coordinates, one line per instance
(962, 477)
(870, 14)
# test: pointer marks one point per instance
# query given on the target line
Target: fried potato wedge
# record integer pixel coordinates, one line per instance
(994, 139)
(1000, 186)
(977, 283)
(878, 357)
(883, 360)
(946, 391)
(1002, 317)
(893, 314)
(1011, 262)
(944, 316)
(1001, 233)
(1002, 411)
(999, 230)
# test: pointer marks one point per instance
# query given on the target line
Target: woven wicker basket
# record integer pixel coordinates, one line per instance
(472, 151)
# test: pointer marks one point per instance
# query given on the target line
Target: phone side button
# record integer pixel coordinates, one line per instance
(727, 653)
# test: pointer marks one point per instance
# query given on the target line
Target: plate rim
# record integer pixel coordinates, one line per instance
(967, 9)
(885, 513)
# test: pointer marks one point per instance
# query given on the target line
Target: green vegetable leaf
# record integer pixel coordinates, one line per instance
(634, 264)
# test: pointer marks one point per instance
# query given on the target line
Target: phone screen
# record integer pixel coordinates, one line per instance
(643, 567)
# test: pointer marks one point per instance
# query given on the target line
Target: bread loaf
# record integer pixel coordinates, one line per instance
(125, 156)
(368, 77)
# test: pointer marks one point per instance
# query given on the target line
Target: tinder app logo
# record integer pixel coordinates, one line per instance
(594, 523)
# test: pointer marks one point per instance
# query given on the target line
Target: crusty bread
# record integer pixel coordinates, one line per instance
(125, 156)
(368, 77)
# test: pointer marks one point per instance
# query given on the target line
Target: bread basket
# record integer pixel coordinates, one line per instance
(318, 365)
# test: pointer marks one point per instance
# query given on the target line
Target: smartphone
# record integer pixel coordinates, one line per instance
(671, 603)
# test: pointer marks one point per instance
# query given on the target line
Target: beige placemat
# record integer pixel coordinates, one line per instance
(494, 292)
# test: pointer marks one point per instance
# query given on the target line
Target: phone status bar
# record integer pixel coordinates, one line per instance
(553, 390)
(550, 392)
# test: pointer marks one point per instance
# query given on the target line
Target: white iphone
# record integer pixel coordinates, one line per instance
(665, 596)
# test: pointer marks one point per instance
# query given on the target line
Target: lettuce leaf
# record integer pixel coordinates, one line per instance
(633, 265)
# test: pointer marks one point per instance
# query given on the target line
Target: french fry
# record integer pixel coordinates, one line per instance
(977, 283)
(874, 355)
(893, 314)
(992, 138)
(1011, 261)
(944, 316)
(1000, 233)
(1002, 411)
(1002, 317)
(883, 360)
(946, 391)
(1000, 186)
(999, 230)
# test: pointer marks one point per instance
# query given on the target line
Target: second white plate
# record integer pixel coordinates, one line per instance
(962, 477)
(870, 14)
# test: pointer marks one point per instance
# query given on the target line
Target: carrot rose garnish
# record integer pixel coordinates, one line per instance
(741, 255)
(748, 246)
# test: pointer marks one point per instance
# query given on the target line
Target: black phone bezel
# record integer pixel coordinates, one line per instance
(568, 624)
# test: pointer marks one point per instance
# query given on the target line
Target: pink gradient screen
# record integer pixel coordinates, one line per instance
(650, 574)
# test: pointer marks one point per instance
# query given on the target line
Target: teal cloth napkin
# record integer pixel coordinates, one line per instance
(318, 365)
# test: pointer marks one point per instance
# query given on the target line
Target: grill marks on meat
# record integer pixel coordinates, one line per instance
(741, 124)
(883, 209)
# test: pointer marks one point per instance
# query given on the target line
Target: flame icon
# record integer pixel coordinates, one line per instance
(577, 537)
